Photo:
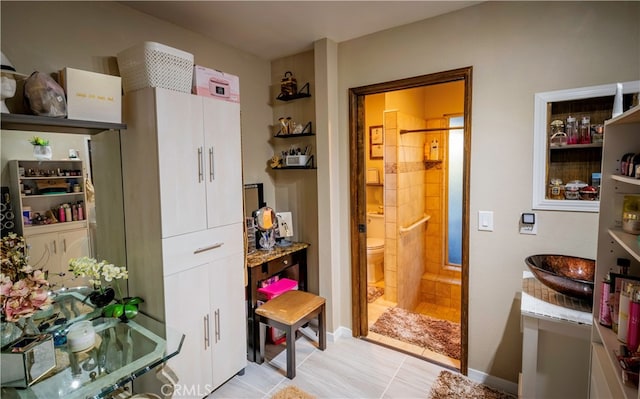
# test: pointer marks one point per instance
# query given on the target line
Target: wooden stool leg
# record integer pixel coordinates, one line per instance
(322, 330)
(263, 338)
(291, 352)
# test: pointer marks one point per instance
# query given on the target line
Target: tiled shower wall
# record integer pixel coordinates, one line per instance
(405, 196)
(440, 284)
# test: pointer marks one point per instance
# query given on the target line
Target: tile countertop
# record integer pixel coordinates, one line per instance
(542, 302)
(262, 256)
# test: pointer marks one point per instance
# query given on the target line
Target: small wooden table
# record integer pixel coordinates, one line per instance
(286, 262)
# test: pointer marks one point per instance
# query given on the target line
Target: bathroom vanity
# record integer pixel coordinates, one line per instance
(555, 330)
(285, 262)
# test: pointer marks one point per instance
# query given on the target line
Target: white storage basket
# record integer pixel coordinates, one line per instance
(151, 64)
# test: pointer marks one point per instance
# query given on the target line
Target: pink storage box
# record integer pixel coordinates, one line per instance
(279, 287)
(217, 84)
(271, 291)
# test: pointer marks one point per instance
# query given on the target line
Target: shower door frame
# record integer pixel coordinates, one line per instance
(358, 195)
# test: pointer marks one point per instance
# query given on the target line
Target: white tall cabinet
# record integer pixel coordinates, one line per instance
(622, 135)
(182, 172)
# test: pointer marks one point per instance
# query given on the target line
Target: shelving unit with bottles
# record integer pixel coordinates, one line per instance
(571, 162)
(41, 188)
(622, 135)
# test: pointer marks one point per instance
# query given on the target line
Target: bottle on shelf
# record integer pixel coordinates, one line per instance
(604, 318)
(585, 131)
(633, 333)
(572, 131)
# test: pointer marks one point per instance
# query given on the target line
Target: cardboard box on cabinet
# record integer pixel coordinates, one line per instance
(92, 96)
(213, 83)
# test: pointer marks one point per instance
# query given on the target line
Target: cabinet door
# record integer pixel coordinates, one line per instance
(73, 244)
(43, 252)
(181, 156)
(228, 334)
(224, 162)
(187, 311)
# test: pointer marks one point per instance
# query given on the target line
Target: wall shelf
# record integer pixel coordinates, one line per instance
(58, 125)
(302, 93)
(306, 131)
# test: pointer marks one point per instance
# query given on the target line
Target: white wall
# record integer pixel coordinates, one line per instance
(516, 49)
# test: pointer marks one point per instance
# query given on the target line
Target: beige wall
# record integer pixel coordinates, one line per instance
(516, 49)
(48, 36)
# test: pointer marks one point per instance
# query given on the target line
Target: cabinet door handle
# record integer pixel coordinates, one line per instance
(206, 331)
(209, 248)
(212, 173)
(64, 245)
(217, 331)
(55, 247)
(200, 172)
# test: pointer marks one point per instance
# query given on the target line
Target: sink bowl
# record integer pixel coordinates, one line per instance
(568, 275)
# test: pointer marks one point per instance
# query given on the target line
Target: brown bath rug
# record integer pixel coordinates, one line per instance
(440, 336)
(292, 392)
(374, 293)
(452, 385)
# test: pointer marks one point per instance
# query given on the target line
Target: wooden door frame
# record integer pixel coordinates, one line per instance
(358, 195)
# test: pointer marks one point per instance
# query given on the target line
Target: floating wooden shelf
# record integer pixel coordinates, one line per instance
(59, 125)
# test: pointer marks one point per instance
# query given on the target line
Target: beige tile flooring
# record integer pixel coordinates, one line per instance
(378, 307)
(348, 368)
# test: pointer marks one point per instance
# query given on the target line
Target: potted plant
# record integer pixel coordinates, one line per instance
(41, 148)
(103, 277)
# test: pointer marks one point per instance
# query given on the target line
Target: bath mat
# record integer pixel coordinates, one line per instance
(374, 293)
(440, 336)
(292, 392)
(452, 385)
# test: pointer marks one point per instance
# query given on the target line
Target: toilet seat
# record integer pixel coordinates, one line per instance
(375, 243)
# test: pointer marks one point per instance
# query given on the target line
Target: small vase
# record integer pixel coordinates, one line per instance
(102, 299)
(42, 152)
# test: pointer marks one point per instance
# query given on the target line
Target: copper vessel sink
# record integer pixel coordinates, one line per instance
(568, 275)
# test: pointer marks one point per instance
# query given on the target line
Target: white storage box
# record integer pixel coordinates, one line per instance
(92, 96)
(151, 64)
(212, 83)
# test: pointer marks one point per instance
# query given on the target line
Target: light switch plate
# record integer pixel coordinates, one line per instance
(485, 220)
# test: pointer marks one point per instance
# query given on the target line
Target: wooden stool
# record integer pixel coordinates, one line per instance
(288, 312)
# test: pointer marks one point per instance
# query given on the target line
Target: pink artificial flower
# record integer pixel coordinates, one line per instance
(39, 298)
(38, 277)
(19, 288)
(17, 307)
(5, 285)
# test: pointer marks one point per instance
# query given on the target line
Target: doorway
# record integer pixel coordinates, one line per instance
(406, 128)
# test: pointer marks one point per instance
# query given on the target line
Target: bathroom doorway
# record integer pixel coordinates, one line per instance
(410, 145)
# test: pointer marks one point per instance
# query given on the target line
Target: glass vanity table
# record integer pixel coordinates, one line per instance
(122, 352)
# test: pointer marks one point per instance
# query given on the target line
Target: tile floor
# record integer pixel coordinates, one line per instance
(375, 310)
(348, 368)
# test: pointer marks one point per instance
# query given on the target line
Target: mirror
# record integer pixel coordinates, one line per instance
(253, 198)
(100, 154)
(265, 218)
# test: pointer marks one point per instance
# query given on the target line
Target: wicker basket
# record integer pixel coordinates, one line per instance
(151, 64)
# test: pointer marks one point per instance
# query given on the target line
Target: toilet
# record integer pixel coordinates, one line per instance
(375, 247)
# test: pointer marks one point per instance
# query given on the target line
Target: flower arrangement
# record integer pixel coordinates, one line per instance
(35, 140)
(100, 274)
(23, 289)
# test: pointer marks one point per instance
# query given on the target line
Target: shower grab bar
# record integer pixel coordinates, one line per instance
(414, 225)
